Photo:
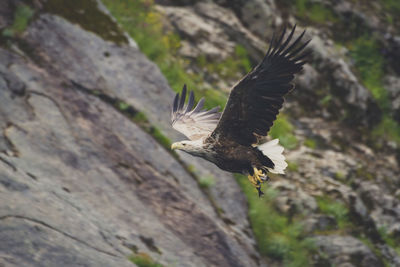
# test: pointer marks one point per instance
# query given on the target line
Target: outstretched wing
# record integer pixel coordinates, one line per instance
(194, 123)
(254, 102)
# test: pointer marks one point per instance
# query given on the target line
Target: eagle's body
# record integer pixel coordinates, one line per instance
(231, 139)
(233, 157)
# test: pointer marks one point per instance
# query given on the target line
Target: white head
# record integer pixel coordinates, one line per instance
(191, 147)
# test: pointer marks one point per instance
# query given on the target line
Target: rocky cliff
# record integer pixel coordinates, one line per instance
(86, 174)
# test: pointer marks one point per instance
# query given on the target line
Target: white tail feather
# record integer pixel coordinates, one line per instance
(273, 150)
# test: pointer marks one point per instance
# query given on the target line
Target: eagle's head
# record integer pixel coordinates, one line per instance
(191, 147)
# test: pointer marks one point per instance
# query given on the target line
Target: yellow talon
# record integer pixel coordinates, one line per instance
(257, 174)
(252, 180)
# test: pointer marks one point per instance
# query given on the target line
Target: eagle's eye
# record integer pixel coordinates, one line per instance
(184, 144)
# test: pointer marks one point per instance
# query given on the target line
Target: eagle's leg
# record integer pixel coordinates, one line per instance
(252, 179)
(256, 180)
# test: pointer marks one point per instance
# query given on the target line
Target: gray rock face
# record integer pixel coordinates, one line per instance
(320, 223)
(347, 251)
(210, 30)
(336, 78)
(80, 183)
(259, 16)
(384, 208)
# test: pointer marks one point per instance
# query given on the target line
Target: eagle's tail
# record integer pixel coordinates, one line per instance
(273, 150)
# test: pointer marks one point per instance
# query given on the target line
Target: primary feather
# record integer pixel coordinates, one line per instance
(254, 102)
(194, 123)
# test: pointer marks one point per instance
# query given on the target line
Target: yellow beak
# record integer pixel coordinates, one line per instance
(175, 146)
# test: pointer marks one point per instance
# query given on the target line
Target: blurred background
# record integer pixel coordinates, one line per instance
(87, 177)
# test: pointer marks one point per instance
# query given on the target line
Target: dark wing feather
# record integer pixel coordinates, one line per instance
(194, 123)
(254, 102)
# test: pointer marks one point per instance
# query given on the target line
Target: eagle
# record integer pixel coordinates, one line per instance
(231, 139)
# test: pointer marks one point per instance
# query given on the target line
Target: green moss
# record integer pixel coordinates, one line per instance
(392, 7)
(340, 176)
(140, 117)
(389, 239)
(22, 16)
(336, 209)
(284, 130)
(293, 166)
(277, 236)
(206, 181)
(311, 11)
(388, 129)
(160, 137)
(88, 16)
(369, 63)
(362, 172)
(144, 260)
(311, 143)
(123, 106)
(325, 100)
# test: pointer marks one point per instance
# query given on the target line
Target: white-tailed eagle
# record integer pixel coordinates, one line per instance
(231, 139)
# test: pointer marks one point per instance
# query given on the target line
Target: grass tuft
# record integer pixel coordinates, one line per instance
(22, 16)
(388, 129)
(284, 130)
(206, 181)
(369, 63)
(277, 236)
(392, 7)
(311, 143)
(293, 166)
(311, 11)
(144, 260)
(336, 209)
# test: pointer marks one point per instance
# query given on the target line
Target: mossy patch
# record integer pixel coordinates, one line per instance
(22, 16)
(312, 12)
(369, 62)
(292, 166)
(88, 15)
(284, 130)
(144, 260)
(206, 181)
(336, 209)
(392, 241)
(388, 129)
(311, 143)
(392, 7)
